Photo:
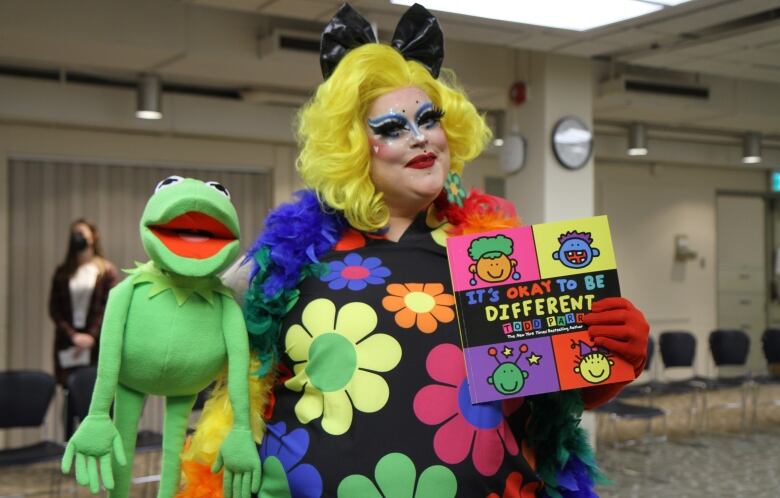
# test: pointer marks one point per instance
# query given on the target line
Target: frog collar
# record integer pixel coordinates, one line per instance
(182, 288)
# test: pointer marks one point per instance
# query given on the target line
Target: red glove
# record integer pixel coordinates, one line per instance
(615, 324)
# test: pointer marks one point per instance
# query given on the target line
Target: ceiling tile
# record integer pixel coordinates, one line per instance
(758, 56)
(541, 41)
(243, 5)
(587, 48)
(714, 66)
(480, 34)
(695, 19)
(713, 49)
(631, 37)
(768, 35)
(300, 9)
(661, 59)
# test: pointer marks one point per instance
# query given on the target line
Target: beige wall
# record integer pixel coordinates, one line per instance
(647, 206)
(19, 140)
(124, 147)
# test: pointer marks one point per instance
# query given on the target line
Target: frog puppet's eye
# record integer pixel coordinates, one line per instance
(221, 188)
(171, 180)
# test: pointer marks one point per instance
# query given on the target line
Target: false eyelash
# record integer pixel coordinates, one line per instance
(389, 128)
(433, 114)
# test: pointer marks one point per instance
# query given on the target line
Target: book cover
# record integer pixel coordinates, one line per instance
(520, 296)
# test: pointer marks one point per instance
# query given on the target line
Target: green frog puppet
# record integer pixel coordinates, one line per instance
(169, 329)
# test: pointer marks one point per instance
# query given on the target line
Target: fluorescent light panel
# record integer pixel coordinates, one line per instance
(668, 3)
(576, 15)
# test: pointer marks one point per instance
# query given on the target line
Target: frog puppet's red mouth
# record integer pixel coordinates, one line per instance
(193, 235)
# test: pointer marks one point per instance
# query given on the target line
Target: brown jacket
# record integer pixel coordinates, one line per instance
(61, 313)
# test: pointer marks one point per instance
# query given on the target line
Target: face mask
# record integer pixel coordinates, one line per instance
(78, 242)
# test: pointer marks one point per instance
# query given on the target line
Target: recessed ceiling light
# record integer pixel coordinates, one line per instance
(576, 15)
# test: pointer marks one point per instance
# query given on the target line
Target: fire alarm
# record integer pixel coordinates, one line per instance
(518, 93)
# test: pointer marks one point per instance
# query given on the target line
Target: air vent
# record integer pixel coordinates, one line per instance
(295, 43)
(671, 89)
(282, 42)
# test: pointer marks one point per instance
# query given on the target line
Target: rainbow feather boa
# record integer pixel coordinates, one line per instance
(296, 235)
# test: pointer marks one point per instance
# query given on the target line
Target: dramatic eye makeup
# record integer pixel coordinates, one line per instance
(428, 115)
(389, 125)
(393, 124)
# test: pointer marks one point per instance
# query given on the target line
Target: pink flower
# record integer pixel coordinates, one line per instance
(448, 403)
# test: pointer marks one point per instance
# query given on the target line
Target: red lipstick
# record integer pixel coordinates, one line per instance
(422, 161)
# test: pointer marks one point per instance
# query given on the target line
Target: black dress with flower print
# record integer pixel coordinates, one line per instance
(373, 400)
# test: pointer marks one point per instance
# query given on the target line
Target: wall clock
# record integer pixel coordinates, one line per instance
(572, 142)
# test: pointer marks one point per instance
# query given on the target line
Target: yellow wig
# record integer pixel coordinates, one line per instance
(335, 157)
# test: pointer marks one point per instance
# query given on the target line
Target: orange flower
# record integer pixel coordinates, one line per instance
(423, 304)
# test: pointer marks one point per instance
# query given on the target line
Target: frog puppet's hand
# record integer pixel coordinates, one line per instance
(94, 442)
(238, 455)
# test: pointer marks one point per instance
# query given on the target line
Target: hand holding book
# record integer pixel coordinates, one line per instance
(615, 324)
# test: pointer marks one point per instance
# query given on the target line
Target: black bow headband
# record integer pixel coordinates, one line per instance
(418, 37)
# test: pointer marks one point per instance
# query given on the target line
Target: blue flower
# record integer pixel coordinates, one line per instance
(355, 273)
(278, 446)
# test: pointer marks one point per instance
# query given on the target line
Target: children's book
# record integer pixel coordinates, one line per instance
(521, 294)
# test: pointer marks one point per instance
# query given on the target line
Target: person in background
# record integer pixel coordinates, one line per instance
(79, 291)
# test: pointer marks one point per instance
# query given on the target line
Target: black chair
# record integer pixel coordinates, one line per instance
(730, 349)
(618, 410)
(80, 385)
(770, 341)
(25, 396)
(678, 354)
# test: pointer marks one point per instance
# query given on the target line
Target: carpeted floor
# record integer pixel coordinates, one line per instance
(731, 457)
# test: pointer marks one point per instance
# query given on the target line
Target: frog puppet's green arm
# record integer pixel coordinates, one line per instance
(168, 330)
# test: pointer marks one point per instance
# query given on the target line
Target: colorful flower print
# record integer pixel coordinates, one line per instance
(336, 357)
(440, 227)
(289, 475)
(422, 304)
(350, 240)
(479, 429)
(441, 234)
(514, 487)
(396, 477)
(432, 219)
(455, 192)
(355, 273)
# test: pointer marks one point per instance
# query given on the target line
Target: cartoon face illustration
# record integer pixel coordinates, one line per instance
(576, 249)
(593, 364)
(492, 259)
(494, 269)
(507, 378)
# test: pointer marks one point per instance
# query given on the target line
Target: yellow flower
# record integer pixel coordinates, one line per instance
(335, 359)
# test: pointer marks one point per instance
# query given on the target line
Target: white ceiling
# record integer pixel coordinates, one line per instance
(751, 52)
(216, 42)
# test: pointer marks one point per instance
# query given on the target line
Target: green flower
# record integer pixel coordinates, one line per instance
(396, 477)
(338, 355)
(455, 192)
